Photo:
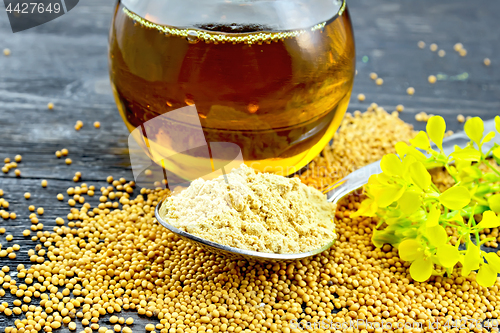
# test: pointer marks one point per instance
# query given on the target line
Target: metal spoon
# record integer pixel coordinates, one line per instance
(334, 193)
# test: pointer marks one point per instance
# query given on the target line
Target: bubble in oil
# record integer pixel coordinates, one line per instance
(252, 107)
(192, 37)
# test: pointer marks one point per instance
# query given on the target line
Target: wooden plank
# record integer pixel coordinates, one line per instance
(65, 62)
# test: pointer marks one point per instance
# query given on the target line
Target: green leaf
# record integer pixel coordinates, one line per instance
(497, 123)
(488, 137)
(421, 269)
(391, 165)
(474, 128)
(493, 260)
(436, 127)
(436, 235)
(433, 217)
(456, 197)
(447, 255)
(410, 250)
(420, 176)
(466, 154)
(494, 203)
(409, 202)
(490, 220)
(471, 259)
(496, 155)
(486, 276)
(421, 141)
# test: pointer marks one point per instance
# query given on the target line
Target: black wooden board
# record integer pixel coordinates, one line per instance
(65, 62)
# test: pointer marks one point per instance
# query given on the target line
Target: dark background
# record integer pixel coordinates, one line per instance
(65, 62)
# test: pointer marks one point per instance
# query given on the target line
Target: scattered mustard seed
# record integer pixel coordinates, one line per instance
(410, 91)
(441, 53)
(458, 46)
(58, 154)
(486, 62)
(379, 81)
(400, 108)
(27, 195)
(421, 44)
(31, 208)
(463, 52)
(17, 172)
(97, 124)
(64, 152)
(44, 183)
(13, 216)
(18, 158)
(373, 76)
(460, 118)
(432, 79)
(60, 197)
(9, 238)
(72, 326)
(40, 210)
(433, 47)
(150, 327)
(361, 97)
(1, 192)
(129, 321)
(68, 161)
(26, 233)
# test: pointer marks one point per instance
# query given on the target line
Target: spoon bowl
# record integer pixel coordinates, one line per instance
(233, 252)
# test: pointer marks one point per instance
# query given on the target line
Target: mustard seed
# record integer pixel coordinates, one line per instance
(50, 105)
(379, 81)
(361, 97)
(433, 47)
(58, 154)
(64, 152)
(17, 172)
(27, 195)
(400, 108)
(373, 76)
(463, 52)
(458, 46)
(26, 233)
(72, 326)
(150, 327)
(97, 124)
(441, 53)
(31, 208)
(129, 321)
(39, 210)
(460, 118)
(432, 79)
(410, 91)
(9, 238)
(13, 216)
(6, 52)
(18, 158)
(421, 44)
(44, 183)
(60, 197)
(68, 161)
(486, 62)
(1, 192)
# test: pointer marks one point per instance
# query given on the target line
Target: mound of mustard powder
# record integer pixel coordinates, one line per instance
(254, 211)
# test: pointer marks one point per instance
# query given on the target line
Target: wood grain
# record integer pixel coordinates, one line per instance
(65, 62)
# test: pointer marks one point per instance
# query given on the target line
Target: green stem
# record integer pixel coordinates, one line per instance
(491, 167)
(449, 171)
(487, 240)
